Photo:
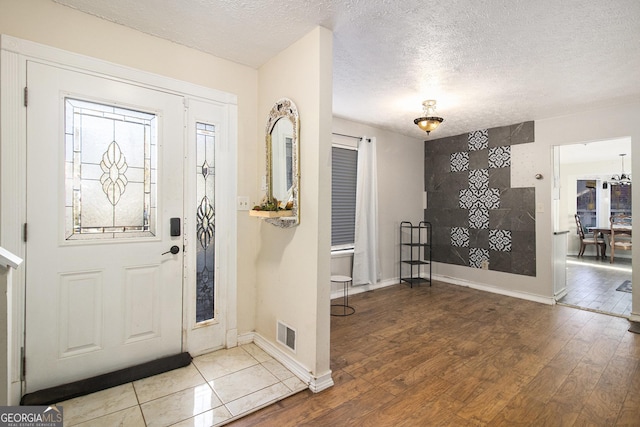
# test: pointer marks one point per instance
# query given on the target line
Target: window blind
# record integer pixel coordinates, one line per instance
(343, 196)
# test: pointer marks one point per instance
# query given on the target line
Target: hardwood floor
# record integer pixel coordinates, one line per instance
(449, 355)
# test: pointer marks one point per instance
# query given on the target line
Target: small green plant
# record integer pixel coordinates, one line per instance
(268, 205)
(273, 205)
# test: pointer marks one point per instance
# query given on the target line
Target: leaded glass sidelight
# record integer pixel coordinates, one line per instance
(110, 171)
(205, 221)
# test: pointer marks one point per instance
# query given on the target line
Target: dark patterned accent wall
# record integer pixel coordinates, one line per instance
(478, 219)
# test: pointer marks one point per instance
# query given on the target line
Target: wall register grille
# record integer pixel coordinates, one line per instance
(286, 336)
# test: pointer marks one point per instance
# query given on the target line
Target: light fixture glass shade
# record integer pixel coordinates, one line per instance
(429, 121)
(428, 124)
(623, 178)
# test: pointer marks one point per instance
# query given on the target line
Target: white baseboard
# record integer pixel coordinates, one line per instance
(365, 288)
(315, 383)
(487, 288)
(321, 382)
(634, 317)
(455, 281)
(245, 338)
(232, 338)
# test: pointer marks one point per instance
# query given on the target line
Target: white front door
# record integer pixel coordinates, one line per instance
(105, 177)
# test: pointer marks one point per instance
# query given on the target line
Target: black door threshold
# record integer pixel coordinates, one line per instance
(105, 381)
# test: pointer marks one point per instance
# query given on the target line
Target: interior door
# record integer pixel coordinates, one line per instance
(104, 179)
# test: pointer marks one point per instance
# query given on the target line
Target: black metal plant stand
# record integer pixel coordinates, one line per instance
(415, 252)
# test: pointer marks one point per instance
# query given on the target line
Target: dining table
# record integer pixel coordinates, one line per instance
(602, 231)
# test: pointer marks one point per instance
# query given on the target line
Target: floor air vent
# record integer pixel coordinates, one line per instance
(286, 336)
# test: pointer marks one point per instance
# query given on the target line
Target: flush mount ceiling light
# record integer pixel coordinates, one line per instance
(429, 121)
(622, 179)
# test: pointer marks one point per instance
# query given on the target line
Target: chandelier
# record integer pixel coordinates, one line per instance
(429, 121)
(622, 179)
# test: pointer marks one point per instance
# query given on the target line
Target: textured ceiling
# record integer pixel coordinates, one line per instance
(487, 63)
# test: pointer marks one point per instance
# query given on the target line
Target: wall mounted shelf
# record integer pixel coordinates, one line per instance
(270, 214)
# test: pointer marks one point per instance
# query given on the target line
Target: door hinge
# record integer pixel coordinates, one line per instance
(26, 96)
(23, 364)
(24, 232)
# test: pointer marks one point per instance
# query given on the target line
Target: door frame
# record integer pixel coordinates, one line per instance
(14, 54)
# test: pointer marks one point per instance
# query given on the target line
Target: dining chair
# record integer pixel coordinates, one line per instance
(589, 239)
(620, 237)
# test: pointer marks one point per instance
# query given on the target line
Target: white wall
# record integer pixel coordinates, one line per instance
(293, 264)
(400, 190)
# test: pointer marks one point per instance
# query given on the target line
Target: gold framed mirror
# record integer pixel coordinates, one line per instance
(282, 166)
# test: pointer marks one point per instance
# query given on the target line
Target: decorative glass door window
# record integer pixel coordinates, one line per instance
(205, 221)
(110, 171)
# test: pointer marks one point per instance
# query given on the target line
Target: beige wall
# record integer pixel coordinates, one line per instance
(400, 192)
(293, 264)
(49, 23)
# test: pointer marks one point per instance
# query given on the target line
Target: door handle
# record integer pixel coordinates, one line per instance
(174, 250)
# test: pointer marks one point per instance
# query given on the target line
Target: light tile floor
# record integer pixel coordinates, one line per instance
(214, 389)
(592, 283)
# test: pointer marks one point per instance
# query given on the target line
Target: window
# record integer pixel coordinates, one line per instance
(587, 202)
(110, 169)
(343, 197)
(620, 199)
(205, 221)
(595, 206)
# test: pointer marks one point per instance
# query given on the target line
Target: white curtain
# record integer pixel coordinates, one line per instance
(365, 255)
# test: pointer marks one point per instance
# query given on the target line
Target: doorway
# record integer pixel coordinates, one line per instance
(119, 288)
(590, 186)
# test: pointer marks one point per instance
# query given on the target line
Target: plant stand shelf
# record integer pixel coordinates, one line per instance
(270, 214)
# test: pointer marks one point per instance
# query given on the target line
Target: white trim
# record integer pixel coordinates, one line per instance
(246, 338)
(321, 382)
(452, 280)
(315, 383)
(341, 253)
(232, 338)
(8, 259)
(366, 288)
(65, 59)
(492, 289)
(345, 146)
(13, 197)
